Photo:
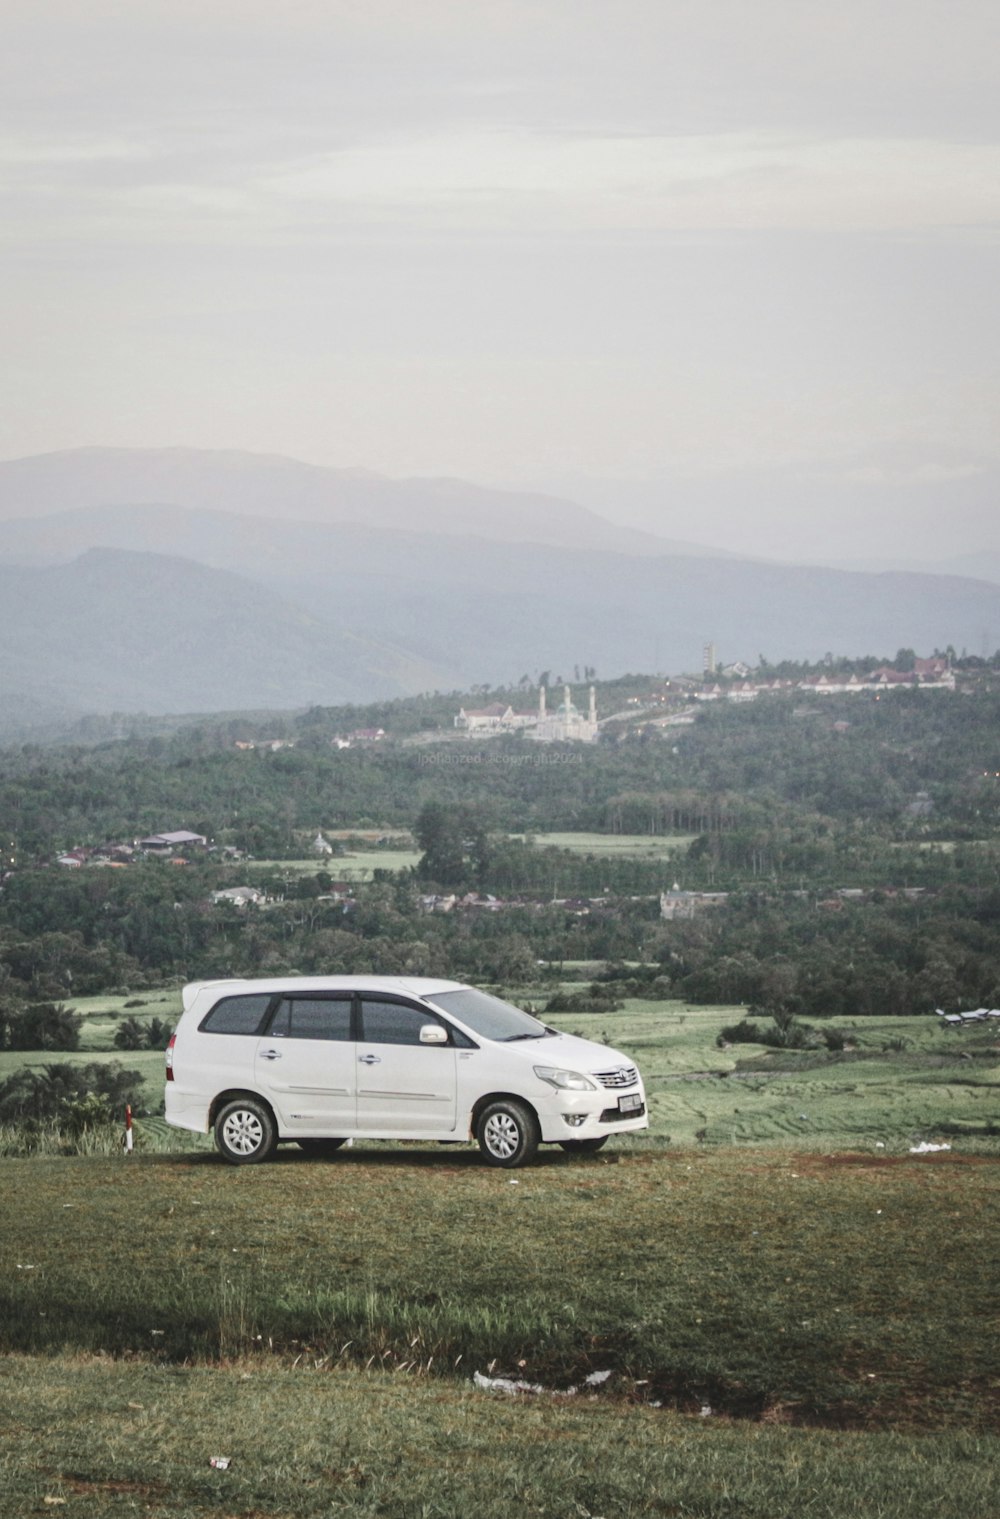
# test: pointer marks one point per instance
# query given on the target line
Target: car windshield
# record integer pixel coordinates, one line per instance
(490, 1016)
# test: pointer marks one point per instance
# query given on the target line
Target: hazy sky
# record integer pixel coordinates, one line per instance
(523, 241)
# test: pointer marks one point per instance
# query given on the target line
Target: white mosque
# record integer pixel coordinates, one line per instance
(565, 724)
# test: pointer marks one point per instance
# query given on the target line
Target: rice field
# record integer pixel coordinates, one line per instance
(900, 1081)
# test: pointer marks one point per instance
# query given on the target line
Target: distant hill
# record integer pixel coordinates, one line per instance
(117, 631)
(982, 566)
(166, 608)
(125, 631)
(268, 485)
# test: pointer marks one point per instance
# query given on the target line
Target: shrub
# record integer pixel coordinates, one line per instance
(158, 1034)
(39, 1097)
(130, 1035)
(786, 1033)
(81, 1115)
(583, 1002)
(44, 1026)
(741, 1033)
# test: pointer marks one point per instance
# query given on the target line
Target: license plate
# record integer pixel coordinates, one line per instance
(630, 1103)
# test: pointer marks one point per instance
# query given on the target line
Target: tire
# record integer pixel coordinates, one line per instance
(245, 1132)
(583, 1146)
(507, 1133)
(320, 1146)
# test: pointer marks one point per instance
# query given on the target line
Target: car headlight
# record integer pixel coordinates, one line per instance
(571, 1081)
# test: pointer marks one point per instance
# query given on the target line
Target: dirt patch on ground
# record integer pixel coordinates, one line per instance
(864, 1161)
(81, 1485)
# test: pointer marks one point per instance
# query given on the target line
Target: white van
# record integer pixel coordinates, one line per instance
(323, 1059)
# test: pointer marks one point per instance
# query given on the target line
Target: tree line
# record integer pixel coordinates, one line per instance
(921, 763)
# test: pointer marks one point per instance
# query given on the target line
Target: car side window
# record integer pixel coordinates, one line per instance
(394, 1022)
(313, 1018)
(237, 1015)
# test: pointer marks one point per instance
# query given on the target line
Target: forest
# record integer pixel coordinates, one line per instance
(851, 847)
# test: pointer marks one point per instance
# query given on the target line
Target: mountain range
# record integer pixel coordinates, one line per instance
(176, 580)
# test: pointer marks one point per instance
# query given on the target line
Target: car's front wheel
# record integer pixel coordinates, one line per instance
(508, 1133)
(245, 1132)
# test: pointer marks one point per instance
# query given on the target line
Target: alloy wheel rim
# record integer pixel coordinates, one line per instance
(502, 1135)
(243, 1132)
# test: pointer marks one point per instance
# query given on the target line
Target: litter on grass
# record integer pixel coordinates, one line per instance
(221, 1463)
(923, 1148)
(514, 1386)
(504, 1384)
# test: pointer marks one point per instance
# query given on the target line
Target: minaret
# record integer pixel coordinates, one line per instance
(593, 706)
(541, 703)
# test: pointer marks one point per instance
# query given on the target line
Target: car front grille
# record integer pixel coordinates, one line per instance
(621, 1076)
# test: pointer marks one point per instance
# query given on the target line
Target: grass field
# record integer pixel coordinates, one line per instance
(797, 1314)
(359, 865)
(108, 1438)
(643, 845)
(101, 1017)
(907, 1080)
(785, 1333)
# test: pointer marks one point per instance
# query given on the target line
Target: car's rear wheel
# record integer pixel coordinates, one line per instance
(583, 1146)
(320, 1146)
(245, 1132)
(508, 1134)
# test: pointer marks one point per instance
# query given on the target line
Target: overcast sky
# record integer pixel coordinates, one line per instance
(665, 251)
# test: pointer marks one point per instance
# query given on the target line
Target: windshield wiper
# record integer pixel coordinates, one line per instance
(511, 1038)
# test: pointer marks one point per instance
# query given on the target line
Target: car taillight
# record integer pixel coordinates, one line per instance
(170, 1057)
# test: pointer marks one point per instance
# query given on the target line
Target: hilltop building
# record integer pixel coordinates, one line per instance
(565, 724)
(498, 717)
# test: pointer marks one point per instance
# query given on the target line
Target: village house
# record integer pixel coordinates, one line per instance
(239, 896)
(498, 717)
(166, 843)
(677, 904)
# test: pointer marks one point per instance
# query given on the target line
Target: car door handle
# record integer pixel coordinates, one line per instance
(369, 1059)
(270, 1054)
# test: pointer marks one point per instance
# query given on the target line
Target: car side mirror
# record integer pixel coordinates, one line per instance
(433, 1033)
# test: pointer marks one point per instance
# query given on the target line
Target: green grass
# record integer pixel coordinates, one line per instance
(359, 865)
(832, 1302)
(846, 1290)
(942, 1085)
(100, 1438)
(642, 845)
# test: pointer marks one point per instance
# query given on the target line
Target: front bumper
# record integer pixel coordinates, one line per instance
(592, 1115)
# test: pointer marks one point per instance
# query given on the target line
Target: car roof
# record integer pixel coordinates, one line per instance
(414, 986)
